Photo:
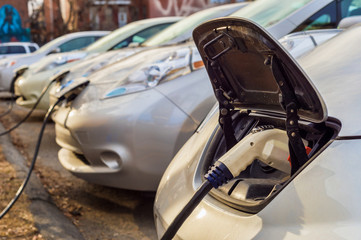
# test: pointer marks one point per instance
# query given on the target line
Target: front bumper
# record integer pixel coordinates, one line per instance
(124, 142)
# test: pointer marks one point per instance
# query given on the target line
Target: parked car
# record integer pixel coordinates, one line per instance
(30, 85)
(135, 115)
(66, 43)
(179, 32)
(14, 48)
(113, 157)
(293, 179)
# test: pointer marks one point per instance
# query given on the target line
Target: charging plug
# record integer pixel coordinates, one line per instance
(268, 146)
(71, 89)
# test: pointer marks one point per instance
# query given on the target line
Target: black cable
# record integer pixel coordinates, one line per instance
(187, 210)
(10, 108)
(30, 112)
(26, 180)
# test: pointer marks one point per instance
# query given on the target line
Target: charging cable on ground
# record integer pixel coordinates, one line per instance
(31, 110)
(269, 147)
(26, 180)
(10, 107)
(67, 93)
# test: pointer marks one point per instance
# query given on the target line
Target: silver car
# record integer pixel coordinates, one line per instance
(179, 32)
(30, 84)
(282, 149)
(124, 133)
(68, 42)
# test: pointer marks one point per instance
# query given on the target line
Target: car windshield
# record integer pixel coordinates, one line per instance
(182, 30)
(109, 39)
(50, 45)
(269, 12)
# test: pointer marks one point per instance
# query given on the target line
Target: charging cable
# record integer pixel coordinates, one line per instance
(26, 180)
(31, 111)
(269, 146)
(10, 108)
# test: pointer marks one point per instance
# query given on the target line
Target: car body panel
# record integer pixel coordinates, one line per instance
(339, 67)
(140, 166)
(190, 89)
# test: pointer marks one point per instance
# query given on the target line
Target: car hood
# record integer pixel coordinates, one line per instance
(253, 71)
(94, 62)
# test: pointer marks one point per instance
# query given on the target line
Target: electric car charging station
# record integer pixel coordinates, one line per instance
(277, 138)
(276, 135)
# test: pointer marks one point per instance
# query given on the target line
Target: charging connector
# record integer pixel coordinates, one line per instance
(269, 147)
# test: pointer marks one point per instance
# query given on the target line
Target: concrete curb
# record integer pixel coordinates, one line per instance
(49, 220)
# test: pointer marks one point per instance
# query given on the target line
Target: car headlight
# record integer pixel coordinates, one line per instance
(165, 67)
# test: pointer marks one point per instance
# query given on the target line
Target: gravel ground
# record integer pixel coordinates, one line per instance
(95, 212)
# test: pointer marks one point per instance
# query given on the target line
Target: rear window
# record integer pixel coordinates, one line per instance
(12, 49)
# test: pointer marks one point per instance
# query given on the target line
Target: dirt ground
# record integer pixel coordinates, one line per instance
(18, 223)
(98, 212)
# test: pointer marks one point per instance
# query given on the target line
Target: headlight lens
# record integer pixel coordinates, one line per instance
(166, 67)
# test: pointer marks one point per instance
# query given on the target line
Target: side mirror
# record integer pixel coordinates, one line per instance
(348, 22)
(56, 50)
(134, 44)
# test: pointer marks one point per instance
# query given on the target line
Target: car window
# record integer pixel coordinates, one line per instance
(350, 8)
(32, 48)
(269, 12)
(3, 50)
(76, 43)
(141, 36)
(12, 49)
(16, 49)
(325, 18)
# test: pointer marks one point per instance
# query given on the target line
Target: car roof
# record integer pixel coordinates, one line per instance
(86, 33)
(18, 43)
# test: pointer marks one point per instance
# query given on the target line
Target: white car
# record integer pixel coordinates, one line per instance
(68, 42)
(14, 48)
(282, 148)
(113, 132)
(32, 81)
(134, 115)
